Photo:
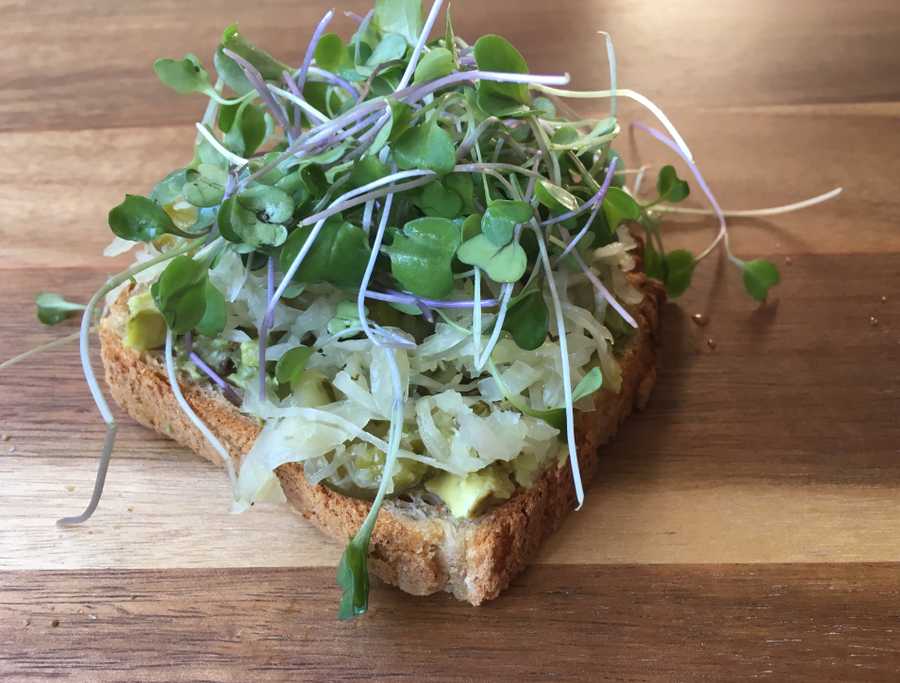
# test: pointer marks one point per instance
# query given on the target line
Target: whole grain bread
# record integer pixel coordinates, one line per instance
(416, 546)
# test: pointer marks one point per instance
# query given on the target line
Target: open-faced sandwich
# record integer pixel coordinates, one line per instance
(397, 288)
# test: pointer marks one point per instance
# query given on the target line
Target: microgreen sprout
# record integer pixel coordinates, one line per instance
(387, 172)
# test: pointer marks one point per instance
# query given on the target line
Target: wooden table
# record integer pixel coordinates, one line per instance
(747, 525)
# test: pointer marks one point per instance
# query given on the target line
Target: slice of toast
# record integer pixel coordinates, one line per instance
(420, 548)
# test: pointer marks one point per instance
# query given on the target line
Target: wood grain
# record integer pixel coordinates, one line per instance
(745, 526)
(815, 623)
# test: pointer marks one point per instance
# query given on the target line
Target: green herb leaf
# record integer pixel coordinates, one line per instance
(400, 16)
(670, 187)
(590, 383)
(184, 76)
(180, 293)
(141, 220)
(330, 52)
(493, 53)
(619, 206)
(268, 67)
(422, 254)
(502, 264)
(759, 276)
(367, 170)
(215, 315)
(426, 146)
(248, 129)
(339, 255)
(291, 365)
(501, 218)
(401, 115)
(554, 197)
(461, 184)
(391, 47)
(437, 63)
(53, 308)
(679, 271)
(527, 320)
(353, 575)
(270, 204)
(436, 200)
(205, 186)
(241, 226)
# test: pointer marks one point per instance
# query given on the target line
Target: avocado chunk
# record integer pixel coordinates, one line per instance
(312, 389)
(146, 328)
(467, 496)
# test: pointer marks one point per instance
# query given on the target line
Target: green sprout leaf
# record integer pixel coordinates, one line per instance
(205, 186)
(291, 365)
(232, 39)
(400, 16)
(53, 308)
(339, 255)
(590, 383)
(461, 184)
(502, 264)
(242, 226)
(215, 315)
(670, 187)
(422, 254)
(367, 170)
(391, 47)
(437, 63)
(353, 575)
(180, 293)
(554, 197)
(501, 218)
(619, 206)
(270, 204)
(759, 276)
(436, 200)
(679, 265)
(494, 53)
(426, 146)
(527, 320)
(246, 130)
(401, 115)
(184, 76)
(140, 219)
(330, 52)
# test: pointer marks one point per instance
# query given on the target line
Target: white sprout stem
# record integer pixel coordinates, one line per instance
(639, 179)
(311, 48)
(192, 416)
(360, 195)
(264, 326)
(505, 295)
(476, 318)
(630, 94)
(373, 334)
(750, 213)
(91, 379)
(604, 292)
(300, 102)
(38, 349)
(566, 372)
(211, 139)
(611, 59)
(420, 44)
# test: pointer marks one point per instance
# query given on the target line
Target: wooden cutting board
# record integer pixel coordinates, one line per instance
(747, 524)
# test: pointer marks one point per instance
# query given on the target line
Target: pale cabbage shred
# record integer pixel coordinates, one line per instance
(451, 435)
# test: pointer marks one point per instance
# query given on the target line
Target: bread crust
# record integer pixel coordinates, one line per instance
(421, 553)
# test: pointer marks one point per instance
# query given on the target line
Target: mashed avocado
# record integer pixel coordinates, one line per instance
(146, 328)
(467, 496)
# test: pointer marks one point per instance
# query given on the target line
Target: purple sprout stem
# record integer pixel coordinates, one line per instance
(311, 48)
(723, 227)
(256, 80)
(334, 79)
(295, 91)
(265, 324)
(229, 391)
(598, 205)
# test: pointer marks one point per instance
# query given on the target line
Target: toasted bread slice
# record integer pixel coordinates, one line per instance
(420, 548)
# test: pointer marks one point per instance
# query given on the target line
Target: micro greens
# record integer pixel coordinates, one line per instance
(53, 308)
(433, 137)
